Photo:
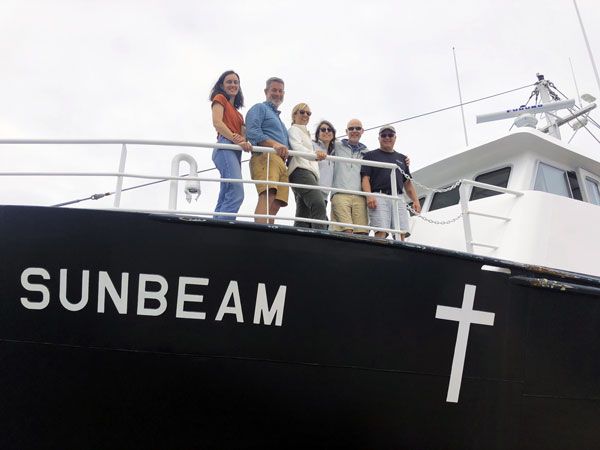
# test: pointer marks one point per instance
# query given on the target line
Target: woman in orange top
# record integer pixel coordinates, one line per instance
(227, 98)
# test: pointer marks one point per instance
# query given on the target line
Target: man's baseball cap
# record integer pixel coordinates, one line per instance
(387, 127)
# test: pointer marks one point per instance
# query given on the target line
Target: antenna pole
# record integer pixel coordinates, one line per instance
(575, 81)
(462, 111)
(588, 45)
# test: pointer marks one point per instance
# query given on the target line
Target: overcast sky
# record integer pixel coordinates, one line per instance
(144, 69)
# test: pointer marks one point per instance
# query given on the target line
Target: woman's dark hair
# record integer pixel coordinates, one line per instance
(217, 89)
(332, 142)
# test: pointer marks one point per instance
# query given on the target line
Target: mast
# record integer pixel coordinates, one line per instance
(525, 115)
(544, 90)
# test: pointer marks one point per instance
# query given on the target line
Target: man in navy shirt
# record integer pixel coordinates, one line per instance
(377, 179)
(264, 128)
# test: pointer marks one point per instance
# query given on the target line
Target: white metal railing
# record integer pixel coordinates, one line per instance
(466, 213)
(121, 174)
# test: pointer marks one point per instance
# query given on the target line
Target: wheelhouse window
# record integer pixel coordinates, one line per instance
(497, 177)
(593, 190)
(443, 199)
(557, 181)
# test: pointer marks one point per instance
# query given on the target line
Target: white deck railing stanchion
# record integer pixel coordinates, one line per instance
(119, 187)
(464, 206)
(466, 214)
(395, 214)
(267, 175)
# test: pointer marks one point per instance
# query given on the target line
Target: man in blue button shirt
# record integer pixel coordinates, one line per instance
(264, 128)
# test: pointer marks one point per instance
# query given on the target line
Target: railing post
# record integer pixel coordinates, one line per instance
(267, 180)
(395, 213)
(464, 205)
(119, 187)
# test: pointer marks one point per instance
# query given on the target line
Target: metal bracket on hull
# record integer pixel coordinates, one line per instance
(544, 283)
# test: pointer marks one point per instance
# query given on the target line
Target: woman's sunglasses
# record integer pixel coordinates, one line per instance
(308, 113)
(326, 130)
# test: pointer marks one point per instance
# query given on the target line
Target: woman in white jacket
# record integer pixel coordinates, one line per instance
(309, 202)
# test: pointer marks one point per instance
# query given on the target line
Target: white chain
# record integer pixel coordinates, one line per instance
(416, 183)
(426, 219)
(435, 222)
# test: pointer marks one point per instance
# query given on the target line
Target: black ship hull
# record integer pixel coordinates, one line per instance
(129, 330)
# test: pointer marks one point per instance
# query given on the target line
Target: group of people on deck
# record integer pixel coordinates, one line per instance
(263, 127)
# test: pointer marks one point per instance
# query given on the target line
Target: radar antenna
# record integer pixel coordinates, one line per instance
(550, 102)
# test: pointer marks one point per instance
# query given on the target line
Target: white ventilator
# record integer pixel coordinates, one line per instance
(191, 186)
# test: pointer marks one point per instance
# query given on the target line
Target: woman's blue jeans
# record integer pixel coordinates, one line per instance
(229, 164)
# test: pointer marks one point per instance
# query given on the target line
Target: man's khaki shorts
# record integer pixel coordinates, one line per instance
(349, 208)
(277, 172)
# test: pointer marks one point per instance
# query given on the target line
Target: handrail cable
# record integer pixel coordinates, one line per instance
(106, 194)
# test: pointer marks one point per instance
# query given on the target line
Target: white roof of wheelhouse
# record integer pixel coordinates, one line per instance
(502, 152)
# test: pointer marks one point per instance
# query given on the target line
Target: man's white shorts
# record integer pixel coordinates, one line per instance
(382, 215)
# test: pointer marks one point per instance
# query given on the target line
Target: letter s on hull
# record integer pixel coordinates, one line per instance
(35, 288)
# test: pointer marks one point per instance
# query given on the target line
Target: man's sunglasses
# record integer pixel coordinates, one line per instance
(326, 130)
(387, 135)
(308, 113)
(354, 128)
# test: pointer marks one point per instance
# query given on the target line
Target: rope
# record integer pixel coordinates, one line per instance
(106, 194)
(447, 108)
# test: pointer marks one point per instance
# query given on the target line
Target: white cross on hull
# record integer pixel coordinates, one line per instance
(464, 316)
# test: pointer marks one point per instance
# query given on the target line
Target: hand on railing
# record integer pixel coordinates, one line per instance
(417, 207)
(371, 202)
(281, 150)
(241, 141)
(246, 146)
